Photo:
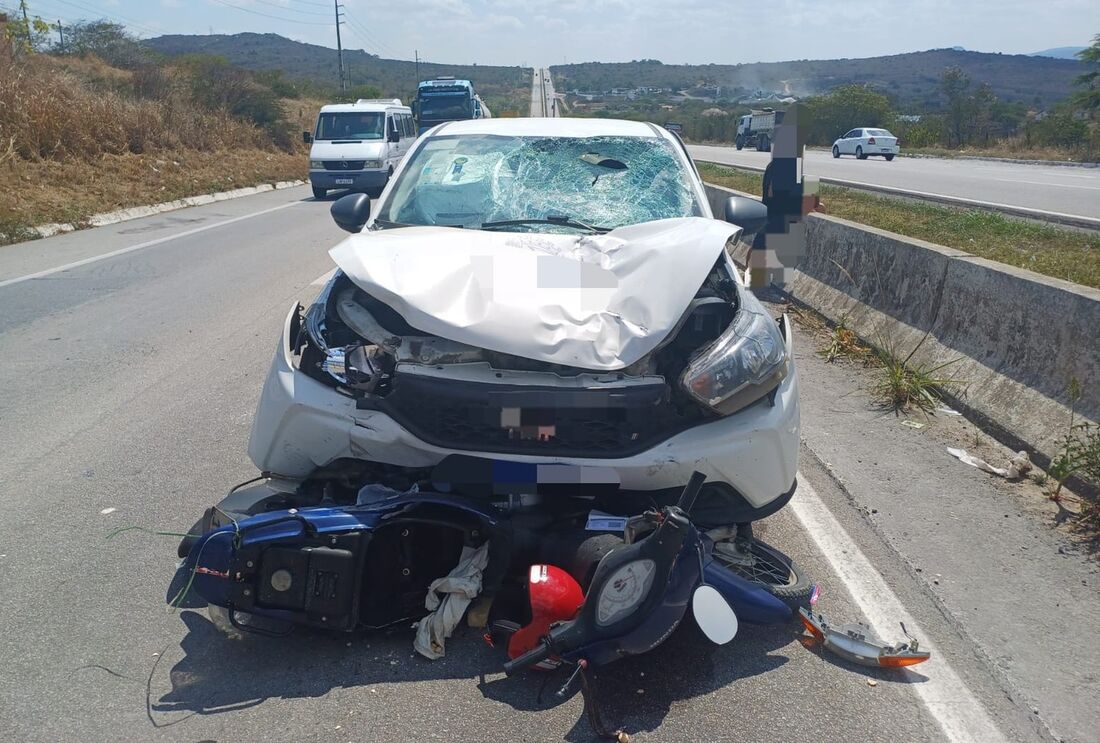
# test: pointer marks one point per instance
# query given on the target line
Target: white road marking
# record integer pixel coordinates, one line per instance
(323, 278)
(961, 717)
(1047, 183)
(139, 246)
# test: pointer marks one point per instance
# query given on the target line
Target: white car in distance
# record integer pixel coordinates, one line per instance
(866, 142)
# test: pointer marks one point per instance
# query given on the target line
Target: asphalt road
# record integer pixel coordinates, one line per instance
(1060, 189)
(127, 386)
(544, 102)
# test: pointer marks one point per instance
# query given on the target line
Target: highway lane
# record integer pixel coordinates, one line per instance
(1061, 189)
(544, 100)
(127, 387)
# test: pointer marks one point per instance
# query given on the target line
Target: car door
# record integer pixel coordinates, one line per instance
(845, 144)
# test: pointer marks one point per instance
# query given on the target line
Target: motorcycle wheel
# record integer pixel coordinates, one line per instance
(773, 571)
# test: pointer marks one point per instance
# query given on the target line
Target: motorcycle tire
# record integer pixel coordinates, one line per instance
(777, 574)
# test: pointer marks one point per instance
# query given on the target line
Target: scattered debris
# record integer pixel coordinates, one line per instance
(858, 643)
(913, 424)
(947, 411)
(106, 511)
(872, 682)
(1017, 467)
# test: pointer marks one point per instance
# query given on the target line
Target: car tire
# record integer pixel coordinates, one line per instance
(888, 157)
(765, 144)
(739, 143)
(777, 574)
(836, 151)
(319, 193)
(859, 153)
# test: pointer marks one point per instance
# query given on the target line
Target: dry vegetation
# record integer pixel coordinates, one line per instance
(78, 137)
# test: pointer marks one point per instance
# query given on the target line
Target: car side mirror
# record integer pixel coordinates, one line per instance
(351, 212)
(748, 214)
(307, 137)
(394, 136)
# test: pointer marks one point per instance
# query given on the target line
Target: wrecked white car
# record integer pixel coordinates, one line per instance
(550, 292)
(535, 380)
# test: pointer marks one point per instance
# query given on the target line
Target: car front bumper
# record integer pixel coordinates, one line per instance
(359, 178)
(302, 424)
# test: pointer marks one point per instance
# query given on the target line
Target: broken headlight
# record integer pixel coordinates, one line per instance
(358, 367)
(745, 363)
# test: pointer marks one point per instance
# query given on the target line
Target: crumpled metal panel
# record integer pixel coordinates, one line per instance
(598, 302)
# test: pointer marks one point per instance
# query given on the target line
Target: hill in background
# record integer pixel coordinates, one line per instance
(911, 79)
(503, 88)
(1060, 52)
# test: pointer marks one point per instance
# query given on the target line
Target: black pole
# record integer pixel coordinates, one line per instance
(416, 55)
(61, 33)
(339, 47)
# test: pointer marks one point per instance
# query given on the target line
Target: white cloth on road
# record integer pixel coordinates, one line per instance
(447, 599)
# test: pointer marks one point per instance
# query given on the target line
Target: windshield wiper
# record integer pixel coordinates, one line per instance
(386, 223)
(552, 219)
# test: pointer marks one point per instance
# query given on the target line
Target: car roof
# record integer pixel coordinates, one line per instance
(547, 127)
(362, 107)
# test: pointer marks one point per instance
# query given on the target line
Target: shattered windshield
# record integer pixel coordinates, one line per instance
(605, 182)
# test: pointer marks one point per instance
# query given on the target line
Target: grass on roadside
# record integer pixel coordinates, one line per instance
(71, 191)
(1051, 251)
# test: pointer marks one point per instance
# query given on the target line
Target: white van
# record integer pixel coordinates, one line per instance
(357, 146)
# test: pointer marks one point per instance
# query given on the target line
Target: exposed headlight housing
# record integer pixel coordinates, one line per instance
(371, 164)
(316, 164)
(745, 363)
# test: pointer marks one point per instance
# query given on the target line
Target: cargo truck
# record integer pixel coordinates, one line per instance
(757, 128)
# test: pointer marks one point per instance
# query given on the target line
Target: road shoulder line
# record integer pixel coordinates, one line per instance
(958, 713)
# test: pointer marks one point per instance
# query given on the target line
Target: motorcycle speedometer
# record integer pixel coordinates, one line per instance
(624, 591)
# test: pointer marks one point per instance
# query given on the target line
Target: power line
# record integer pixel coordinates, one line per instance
(361, 29)
(268, 15)
(291, 8)
(102, 13)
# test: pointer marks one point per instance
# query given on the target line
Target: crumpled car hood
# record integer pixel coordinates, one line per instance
(598, 302)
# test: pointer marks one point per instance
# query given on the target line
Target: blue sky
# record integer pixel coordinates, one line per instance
(543, 32)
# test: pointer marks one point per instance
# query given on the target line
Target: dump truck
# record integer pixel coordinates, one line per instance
(756, 129)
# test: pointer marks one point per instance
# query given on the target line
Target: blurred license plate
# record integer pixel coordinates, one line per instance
(344, 181)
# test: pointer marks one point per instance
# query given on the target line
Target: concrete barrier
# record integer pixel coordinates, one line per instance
(1015, 337)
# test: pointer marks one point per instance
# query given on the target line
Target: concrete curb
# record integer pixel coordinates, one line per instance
(136, 212)
(1015, 337)
(1068, 220)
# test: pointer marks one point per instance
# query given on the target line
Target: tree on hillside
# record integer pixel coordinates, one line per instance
(106, 40)
(1090, 96)
(955, 87)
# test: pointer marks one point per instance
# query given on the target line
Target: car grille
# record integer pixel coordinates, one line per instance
(615, 422)
(344, 164)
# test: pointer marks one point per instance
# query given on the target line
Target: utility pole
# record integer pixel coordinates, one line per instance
(339, 48)
(26, 21)
(61, 33)
(416, 56)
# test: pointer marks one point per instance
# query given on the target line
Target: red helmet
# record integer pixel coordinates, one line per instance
(555, 597)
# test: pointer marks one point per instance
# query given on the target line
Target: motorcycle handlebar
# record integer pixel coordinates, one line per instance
(538, 653)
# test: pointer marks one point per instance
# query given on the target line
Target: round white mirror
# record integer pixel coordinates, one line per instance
(714, 615)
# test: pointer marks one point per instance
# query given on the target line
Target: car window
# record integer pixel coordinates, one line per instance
(879, 133)
(350, 125)
(409, 129)
(601, 181)
(850, 134)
